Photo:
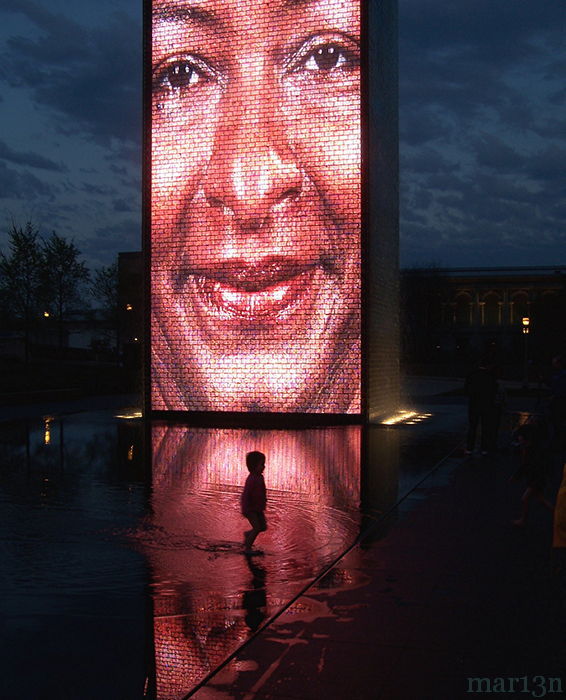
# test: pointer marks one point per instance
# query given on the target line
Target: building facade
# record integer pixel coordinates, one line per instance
(460, 313)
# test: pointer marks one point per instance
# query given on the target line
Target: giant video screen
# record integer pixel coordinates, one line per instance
(255, 236)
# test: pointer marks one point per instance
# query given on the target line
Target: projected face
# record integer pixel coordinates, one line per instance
(255, 235)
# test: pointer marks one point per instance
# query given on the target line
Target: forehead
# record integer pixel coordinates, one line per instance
(245, 12)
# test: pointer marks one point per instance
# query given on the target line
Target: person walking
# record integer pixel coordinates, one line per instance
(481, 388)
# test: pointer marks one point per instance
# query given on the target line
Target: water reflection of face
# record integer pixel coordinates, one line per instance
(255, 205)
(313, 479)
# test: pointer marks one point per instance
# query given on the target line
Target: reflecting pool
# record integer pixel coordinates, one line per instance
(209, 597)
(73, 592)
(123, 570)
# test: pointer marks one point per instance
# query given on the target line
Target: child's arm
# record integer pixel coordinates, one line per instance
(258, 496)
(246, 497)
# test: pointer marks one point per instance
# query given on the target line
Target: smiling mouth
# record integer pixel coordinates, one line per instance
(262, 291)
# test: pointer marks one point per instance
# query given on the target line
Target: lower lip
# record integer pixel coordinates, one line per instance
(269, 303)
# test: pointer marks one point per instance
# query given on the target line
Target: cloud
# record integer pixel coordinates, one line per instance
(108, 241)
(492, 152)
(468, 56)
(428, 160)
(89, 77)
(494, 32)
(420, 125)
(548, 165)
(511, 221)
(24, 185)
(125, 205)
(480, 90)
(100, 190)
(32, 160)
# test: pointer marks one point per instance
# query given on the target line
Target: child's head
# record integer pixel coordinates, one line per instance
(255, 461)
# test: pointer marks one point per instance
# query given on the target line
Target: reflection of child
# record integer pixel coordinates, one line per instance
(532, 468)
(254, 498)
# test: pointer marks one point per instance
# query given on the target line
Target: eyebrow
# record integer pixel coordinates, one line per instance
(175, 12)
(297, 3)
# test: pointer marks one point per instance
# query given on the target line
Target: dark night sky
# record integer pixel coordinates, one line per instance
(483, 139)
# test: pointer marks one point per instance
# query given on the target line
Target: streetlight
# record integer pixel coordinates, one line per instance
(526, 321)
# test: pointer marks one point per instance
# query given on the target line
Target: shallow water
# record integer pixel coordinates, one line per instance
(72, 595)
(123, 574)
(94, 539)
(208, 597)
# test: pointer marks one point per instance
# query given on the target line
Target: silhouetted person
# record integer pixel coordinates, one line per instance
(559, 533)
(254, 499)
(533, 467)
(557, 404)
(499, 404)
(481, 388)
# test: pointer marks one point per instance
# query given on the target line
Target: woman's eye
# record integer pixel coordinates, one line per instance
(182, 75)
(178, 76)
(327, 58)
(182, 83)
(325, 64)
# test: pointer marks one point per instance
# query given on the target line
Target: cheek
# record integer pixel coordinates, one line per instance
(328, 144)
(180, 153)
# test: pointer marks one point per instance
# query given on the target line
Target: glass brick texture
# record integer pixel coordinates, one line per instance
(255, 206)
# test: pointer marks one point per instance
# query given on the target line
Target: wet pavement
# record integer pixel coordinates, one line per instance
(112, 588)
(444, 600)
(73, 594)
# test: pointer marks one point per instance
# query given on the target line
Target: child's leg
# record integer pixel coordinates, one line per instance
(525, 498)
(541, 499)
(473, 420)
(250, 535)
(249, 538)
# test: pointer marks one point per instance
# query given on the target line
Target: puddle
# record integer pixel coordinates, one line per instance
(208, 596)
(123, 571)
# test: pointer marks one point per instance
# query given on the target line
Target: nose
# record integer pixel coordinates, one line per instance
(252, 168)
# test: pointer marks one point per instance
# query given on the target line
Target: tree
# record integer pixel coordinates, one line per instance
(63, 277)
(104, 289)
(21, 283)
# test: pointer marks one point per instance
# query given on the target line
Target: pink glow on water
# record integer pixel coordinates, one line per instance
(207, 595)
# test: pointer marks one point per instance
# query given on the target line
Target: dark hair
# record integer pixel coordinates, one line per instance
(254, 459)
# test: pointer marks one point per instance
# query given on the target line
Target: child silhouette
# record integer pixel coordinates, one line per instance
(253, 499)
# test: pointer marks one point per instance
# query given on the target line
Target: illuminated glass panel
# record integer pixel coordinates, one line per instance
(255, 206)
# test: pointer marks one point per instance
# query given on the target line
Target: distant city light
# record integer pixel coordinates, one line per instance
(47, 431)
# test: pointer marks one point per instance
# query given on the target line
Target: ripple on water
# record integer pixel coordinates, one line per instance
(196, 539)
(208, 597)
